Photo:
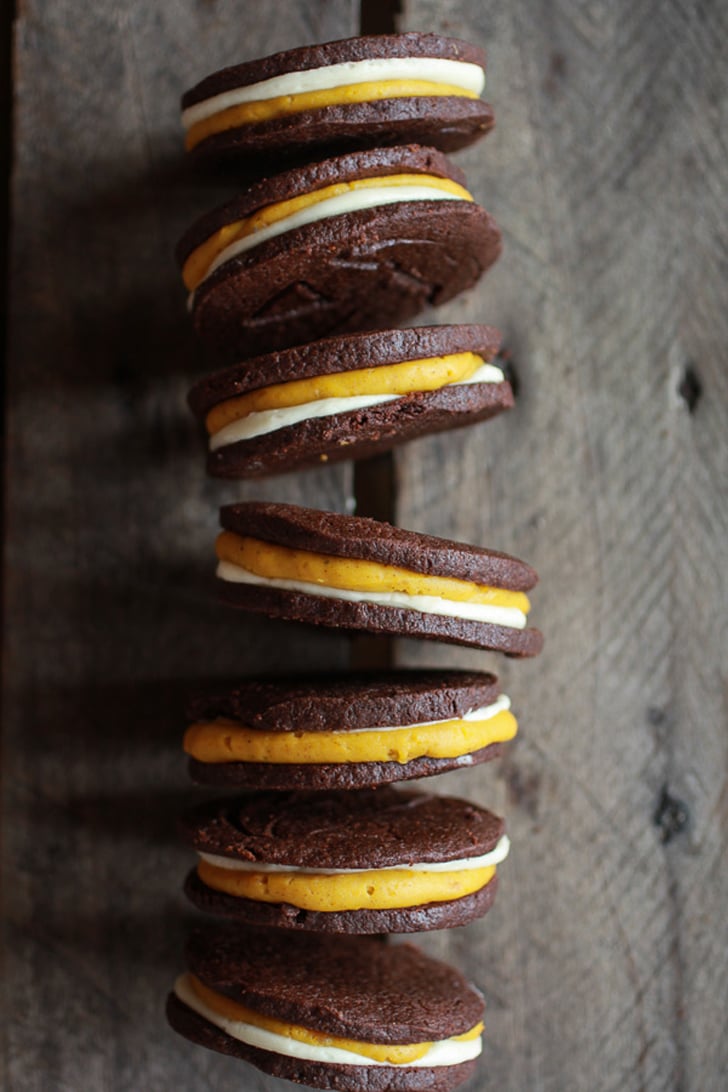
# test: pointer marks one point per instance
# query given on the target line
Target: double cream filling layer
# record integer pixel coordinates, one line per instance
(264, 421)
(354, 201)
(463, 74)
(494, 857)
(442, 1053)
(510, 617)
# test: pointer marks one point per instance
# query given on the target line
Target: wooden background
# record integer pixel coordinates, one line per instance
(605, 959)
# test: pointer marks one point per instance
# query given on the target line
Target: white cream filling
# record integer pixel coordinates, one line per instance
(444, 1052)
(510, 617)
(470, 77)
(493, 857)
(352, 201)
(264, 421)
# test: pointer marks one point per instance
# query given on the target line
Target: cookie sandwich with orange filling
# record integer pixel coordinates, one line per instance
(348, 397)
(347, 731)
(356, 93)
(354, 861)
(346, 1013)
(361, 241)
(354, 573)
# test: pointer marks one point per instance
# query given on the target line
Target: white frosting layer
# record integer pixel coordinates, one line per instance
(510, 617)
(444, 1052)
(352, 201)
(464, 864)
(264, 421)
(470, 77)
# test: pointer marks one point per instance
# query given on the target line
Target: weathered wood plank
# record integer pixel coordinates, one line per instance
(110, 525)
(604, 961)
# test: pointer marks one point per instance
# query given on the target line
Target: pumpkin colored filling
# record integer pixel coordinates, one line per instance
(391, 1053)
(378, 889)
(197, 265)
(428, 374)
(274, 562)
(225, 740)
(251, 113)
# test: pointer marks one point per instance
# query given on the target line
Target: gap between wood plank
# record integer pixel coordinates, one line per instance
(374, 496)
(6, 163)
(379, 16)
(374, 478)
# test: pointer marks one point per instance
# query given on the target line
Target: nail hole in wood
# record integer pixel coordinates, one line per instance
(671, 816)
(690, 388)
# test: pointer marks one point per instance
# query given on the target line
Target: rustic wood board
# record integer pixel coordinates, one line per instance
(604, 961)
(111, 522)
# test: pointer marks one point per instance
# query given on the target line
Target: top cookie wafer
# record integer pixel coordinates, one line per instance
(355, 93)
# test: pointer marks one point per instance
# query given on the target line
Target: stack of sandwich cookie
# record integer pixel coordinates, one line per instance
(301, 279)
(365, 861)
(360, 241)
(346, 732)
(360, 574)
(346, 1013)
(348, 397)
(357, 93)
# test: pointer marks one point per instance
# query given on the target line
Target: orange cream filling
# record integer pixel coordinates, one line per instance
(378, 889)
(428, 374)
(391, 1053)
(250, 113)
(271, 561)
(224, 740)
(199, 261)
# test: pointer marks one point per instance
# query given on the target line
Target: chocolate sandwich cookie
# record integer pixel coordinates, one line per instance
(361, 241)
(348, 397)
(346, 1013)
(364, 861)
(346, 732)
(357, 93)
(359, 574)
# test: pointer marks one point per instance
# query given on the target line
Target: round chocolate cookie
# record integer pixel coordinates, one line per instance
(368, 861)
(354, 573)
(340, 96)
(366, 1014)
(348, 397)
(348, 731)
(360, 241)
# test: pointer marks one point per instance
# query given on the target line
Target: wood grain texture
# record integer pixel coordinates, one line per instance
(604, 961)
(110, 606)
